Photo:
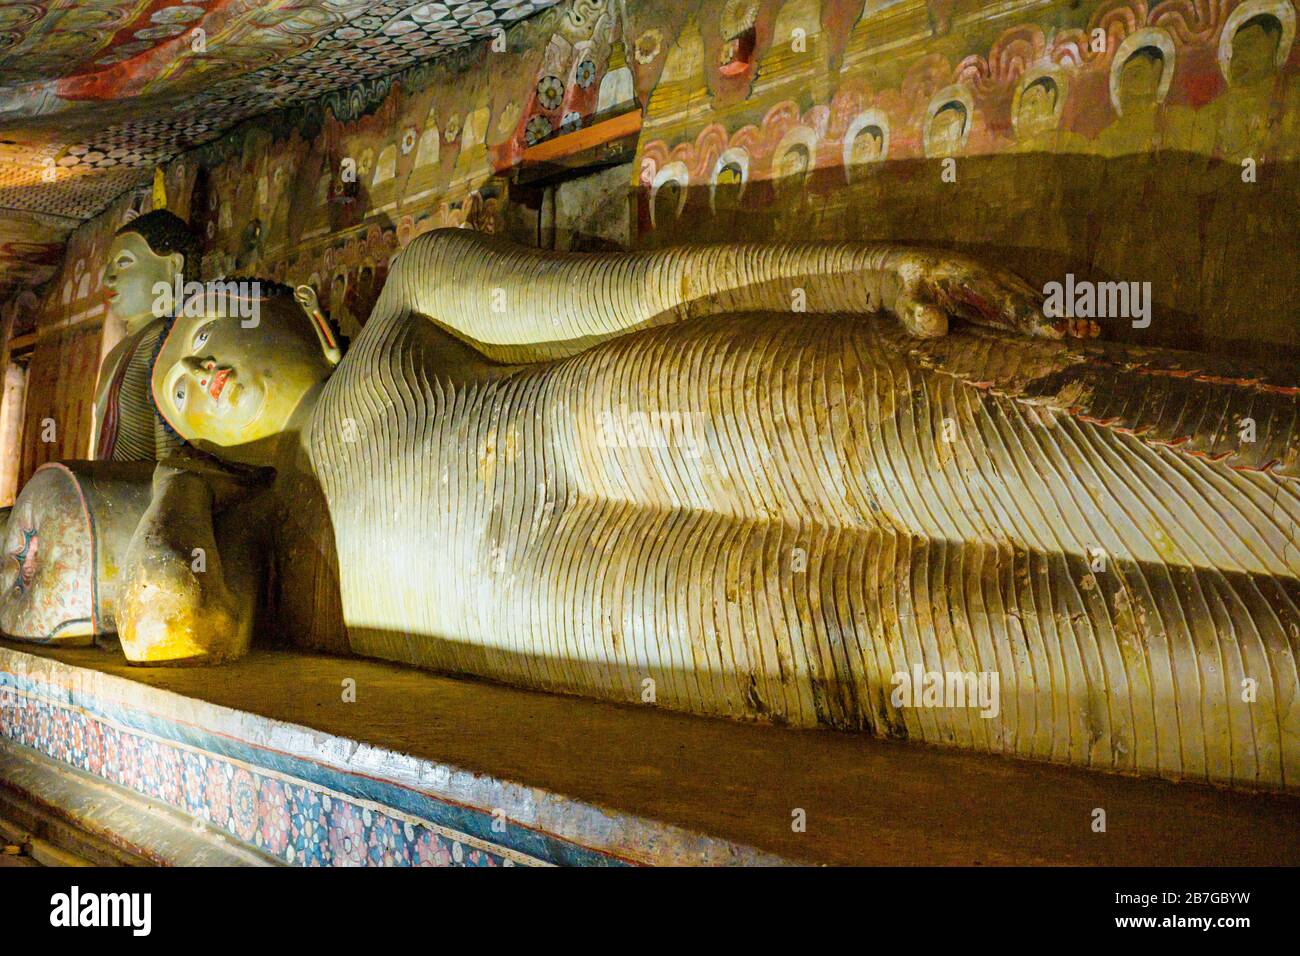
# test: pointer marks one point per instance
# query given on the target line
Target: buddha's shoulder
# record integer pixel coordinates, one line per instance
(143, 337)
(129, 345)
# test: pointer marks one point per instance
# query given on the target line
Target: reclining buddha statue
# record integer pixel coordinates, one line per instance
(795, 482)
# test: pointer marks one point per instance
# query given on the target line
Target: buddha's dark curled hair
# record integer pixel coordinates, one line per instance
(166, 232)
(272, 289)
(269, 288)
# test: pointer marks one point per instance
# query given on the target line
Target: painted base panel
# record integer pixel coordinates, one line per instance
(303, 797)
(73, 818)
(423, 769)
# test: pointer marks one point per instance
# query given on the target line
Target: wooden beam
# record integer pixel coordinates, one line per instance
(581, 140)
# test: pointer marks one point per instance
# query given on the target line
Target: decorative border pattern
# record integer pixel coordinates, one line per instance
(299, 812)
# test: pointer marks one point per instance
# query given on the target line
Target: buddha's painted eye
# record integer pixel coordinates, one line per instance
(178, 394)
(201, 338)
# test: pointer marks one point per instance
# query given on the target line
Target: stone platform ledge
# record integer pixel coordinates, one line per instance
(422, 768)
(81, 819)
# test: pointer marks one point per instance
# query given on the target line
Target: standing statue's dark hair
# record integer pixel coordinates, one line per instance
(166, 233)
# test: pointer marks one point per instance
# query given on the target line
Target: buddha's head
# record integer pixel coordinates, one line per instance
(1254, 49)
(868, 145)
(668, 200)
(230, 385)
(153, 248)
(1139, 80)
(730, 175)
(1037, 110)
(946, 129)
(794, 162)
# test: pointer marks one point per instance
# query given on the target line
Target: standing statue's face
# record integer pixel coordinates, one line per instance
(222, 385)
(132, 271)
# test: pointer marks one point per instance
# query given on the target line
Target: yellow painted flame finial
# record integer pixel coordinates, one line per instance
(159, 190)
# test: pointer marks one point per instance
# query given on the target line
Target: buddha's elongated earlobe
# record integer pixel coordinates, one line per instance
(306, 297)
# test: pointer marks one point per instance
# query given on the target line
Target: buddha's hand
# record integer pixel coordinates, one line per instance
(176, 604)
(936, 287)
(171, 612)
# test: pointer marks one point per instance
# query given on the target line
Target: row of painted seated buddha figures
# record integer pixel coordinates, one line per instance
(822, 484)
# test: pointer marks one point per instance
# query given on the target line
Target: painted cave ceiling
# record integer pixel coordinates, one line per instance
(94, 94)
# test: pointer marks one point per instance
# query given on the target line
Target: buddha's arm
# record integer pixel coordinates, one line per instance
(522, 305)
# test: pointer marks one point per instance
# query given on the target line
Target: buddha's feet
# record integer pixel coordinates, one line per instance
(938, 287)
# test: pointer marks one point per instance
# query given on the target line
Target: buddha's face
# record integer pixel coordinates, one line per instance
(866, 147)
(793, 163)
(132, 271)
(1139, 83)
(1036, 110)
(667, 201)
(221, 385)
(729, 176)
(946, 130)
(1253, 52)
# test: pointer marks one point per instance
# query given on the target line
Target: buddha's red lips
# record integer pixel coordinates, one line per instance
(218, 383)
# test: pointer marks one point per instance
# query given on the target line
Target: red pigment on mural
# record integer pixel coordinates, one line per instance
(129, 77)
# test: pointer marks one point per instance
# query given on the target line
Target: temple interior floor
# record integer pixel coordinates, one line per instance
(866, 801)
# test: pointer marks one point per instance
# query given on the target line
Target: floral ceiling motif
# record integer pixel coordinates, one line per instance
(94, 95)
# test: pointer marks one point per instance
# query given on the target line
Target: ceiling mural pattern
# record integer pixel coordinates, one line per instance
(96, 93)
